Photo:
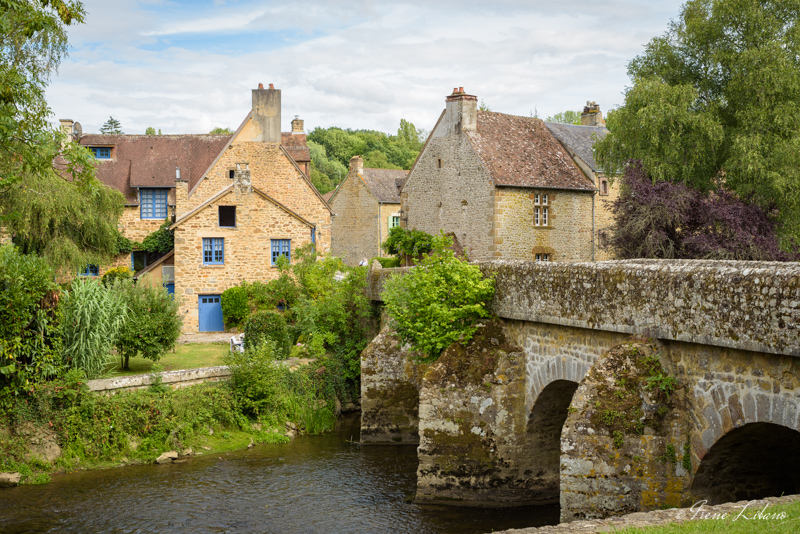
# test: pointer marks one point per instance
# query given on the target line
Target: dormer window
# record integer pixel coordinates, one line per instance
(101, 152)
(153, 203)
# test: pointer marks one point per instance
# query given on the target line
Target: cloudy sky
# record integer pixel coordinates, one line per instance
(188, 66)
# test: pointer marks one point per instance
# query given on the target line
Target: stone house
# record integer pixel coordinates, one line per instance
(236, 202)
(578, 140)
(503, 184)
(366, 205)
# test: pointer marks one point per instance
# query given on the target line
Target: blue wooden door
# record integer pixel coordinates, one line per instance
(170, 287)
(210, 313)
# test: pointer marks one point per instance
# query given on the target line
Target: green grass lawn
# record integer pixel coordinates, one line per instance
(780, 519)
(188, 356)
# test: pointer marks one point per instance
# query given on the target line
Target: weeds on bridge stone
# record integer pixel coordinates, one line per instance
(634, 391)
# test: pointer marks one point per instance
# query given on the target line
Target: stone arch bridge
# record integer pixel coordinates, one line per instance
(610, 387)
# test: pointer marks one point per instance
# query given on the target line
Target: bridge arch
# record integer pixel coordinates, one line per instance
(746, 441)
(541, 465)
(543, 373)
(750, 462)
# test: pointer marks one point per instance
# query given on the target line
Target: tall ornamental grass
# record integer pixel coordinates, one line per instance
(93, 317)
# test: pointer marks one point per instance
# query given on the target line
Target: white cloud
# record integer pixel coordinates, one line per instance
(350, 64)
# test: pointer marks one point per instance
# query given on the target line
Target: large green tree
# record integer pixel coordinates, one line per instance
(714, 104)
(50, 201)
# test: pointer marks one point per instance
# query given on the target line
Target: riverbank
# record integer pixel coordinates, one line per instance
(771, 514)
(64, 426)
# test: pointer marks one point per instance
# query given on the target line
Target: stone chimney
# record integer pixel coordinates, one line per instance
(461, 111)
(267, 114)
(591, 115)
(66, 126)
(357, 164)
(297, 125)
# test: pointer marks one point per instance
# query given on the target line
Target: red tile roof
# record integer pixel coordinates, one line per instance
(151, 160)
(296, 146)
(521, 151)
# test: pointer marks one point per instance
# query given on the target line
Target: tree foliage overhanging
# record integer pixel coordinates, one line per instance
(68, 222)
(332, 148)
(669, 220)
(714, 103)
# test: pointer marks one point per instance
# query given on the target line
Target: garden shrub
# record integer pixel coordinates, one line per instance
(265, 326)
(30, 333)
(153, 325)
(234, 305)
(437, 302)
(408, 244)
(116, 273)
(339, 311)
(92, 316)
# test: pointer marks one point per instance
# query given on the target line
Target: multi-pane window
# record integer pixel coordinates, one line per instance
(281, 247)
(227, 216)
(394, 220)
(101, 152)
(543, 257)
(89, 270)
(153, 203)
(213, 250)
(541, 210)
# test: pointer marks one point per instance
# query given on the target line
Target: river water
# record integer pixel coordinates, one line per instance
(316, 484)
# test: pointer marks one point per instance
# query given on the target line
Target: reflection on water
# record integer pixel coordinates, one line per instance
(317, 484)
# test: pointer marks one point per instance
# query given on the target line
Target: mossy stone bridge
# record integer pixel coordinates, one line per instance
(608, 387)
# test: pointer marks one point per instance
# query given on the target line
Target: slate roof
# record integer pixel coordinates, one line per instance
(579, 139)
(150, 160)
(385, 184)
(521, 151)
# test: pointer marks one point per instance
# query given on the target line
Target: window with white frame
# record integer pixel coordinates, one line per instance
(394, 220)
(541, 210)
(542, 257)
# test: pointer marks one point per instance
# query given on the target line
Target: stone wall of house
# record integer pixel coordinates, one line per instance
(272, 172)
(567, 236)
(355, 228)
(454, 196)
(390, 384)
(603, 218)
(247, 248)
(132, 226)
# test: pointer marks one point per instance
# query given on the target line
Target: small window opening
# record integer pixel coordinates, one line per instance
(227, 216)
(439, 163)
(604, 187)
(231, 173)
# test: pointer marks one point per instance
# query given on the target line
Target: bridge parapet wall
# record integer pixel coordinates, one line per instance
(744, 305)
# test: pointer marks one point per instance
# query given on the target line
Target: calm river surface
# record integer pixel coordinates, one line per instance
(317, 484)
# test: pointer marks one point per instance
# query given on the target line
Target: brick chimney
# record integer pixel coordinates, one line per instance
(461, 111)
(591, 115)
(357, 164)
(297, 125)
(267, 114)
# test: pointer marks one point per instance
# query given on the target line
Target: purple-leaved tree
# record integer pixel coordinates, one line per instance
(671, 220)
